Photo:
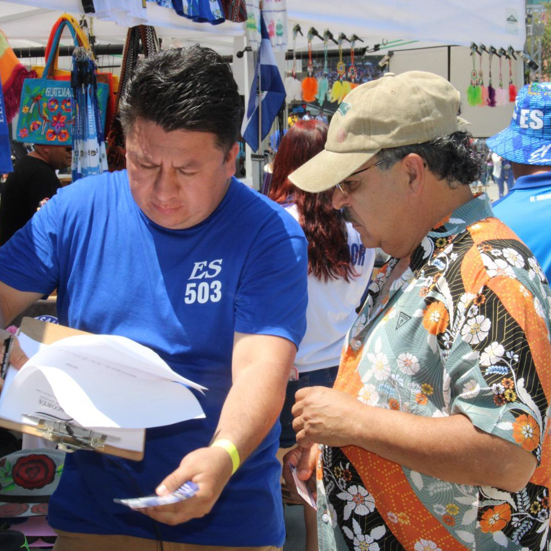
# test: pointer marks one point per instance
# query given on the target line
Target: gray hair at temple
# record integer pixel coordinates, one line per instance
(451, 158)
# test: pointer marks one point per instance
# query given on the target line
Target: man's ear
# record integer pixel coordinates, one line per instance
(416, 169)
(231, 156)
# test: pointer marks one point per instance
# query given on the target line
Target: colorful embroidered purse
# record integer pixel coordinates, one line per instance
(46, 109)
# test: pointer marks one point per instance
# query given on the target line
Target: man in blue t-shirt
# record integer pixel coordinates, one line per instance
(526, 143)
(181, 257)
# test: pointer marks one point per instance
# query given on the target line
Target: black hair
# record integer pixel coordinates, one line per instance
(185, 89)
(451, 158)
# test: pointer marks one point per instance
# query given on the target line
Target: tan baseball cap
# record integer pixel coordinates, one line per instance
(395, 110)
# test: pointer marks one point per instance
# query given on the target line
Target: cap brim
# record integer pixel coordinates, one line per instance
(462, 123)
(327, 169)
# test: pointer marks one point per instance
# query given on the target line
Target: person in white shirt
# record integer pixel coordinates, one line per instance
(321, 117)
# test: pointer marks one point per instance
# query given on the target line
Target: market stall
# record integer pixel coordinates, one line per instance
(399, 35)
(420, 34)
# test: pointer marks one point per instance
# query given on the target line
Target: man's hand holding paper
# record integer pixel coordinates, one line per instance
(210, 468)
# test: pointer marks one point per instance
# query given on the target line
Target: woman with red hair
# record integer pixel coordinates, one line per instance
(339, 269)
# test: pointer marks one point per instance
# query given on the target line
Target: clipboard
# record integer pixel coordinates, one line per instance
(69, 438)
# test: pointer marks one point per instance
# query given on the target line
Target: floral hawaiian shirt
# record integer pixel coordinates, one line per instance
(465, 329)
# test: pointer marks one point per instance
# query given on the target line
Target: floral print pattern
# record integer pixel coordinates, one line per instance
(358, 501)
(464, 330)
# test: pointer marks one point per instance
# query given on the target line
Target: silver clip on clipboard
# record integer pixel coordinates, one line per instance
(69, 438)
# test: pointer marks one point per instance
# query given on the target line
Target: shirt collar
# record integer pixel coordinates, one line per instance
(533, 181)
(457, 222)
(474, 210)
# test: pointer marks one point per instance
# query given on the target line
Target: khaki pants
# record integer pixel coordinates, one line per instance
(72, 541)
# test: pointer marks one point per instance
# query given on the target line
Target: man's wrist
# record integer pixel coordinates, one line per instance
(229, 446)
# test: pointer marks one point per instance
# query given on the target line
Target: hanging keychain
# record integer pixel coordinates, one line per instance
(483, 89)
(323, 82)
(337, 89)
(341, 67)
(293, 87)
(491, 89)
(346, 84)
(353, 72)
(294, 71)
(501, 93)
(512, 87)
(310, 84)
(473, 92)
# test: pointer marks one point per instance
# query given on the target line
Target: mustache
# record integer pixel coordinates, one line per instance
(346, 215)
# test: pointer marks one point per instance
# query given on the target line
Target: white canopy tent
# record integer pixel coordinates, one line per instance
(458, 22)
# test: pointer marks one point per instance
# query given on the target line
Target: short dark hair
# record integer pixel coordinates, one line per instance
(185, 89)
(451, 158)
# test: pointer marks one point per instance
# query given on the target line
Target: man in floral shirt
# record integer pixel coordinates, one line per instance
(436, 434)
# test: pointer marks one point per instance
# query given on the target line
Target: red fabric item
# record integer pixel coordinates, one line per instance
(512, 92)
(12, 97)
(235, 10)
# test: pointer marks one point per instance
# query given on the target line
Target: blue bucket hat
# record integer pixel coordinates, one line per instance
(527, 140)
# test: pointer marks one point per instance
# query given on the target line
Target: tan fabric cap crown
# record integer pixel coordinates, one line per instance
(395, 110)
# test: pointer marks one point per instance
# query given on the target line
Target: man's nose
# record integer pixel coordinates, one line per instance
(338, 199)
(166, 185)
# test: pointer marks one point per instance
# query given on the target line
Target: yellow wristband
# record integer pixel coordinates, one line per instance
(232, 450)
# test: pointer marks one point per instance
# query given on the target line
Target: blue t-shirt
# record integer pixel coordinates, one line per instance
(527, 211)
(182, 293)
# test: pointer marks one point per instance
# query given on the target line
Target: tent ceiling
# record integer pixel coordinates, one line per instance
(492, 22)
(456, 22)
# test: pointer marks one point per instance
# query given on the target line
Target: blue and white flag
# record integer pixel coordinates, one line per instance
(272, 93)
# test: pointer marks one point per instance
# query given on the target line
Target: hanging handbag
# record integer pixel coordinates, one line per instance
(46, 109)
(116, 152)
(69, 21)
(104, 77)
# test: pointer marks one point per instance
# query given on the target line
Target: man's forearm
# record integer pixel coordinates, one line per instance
(449, 448)
(261, 370)
(249, 412)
